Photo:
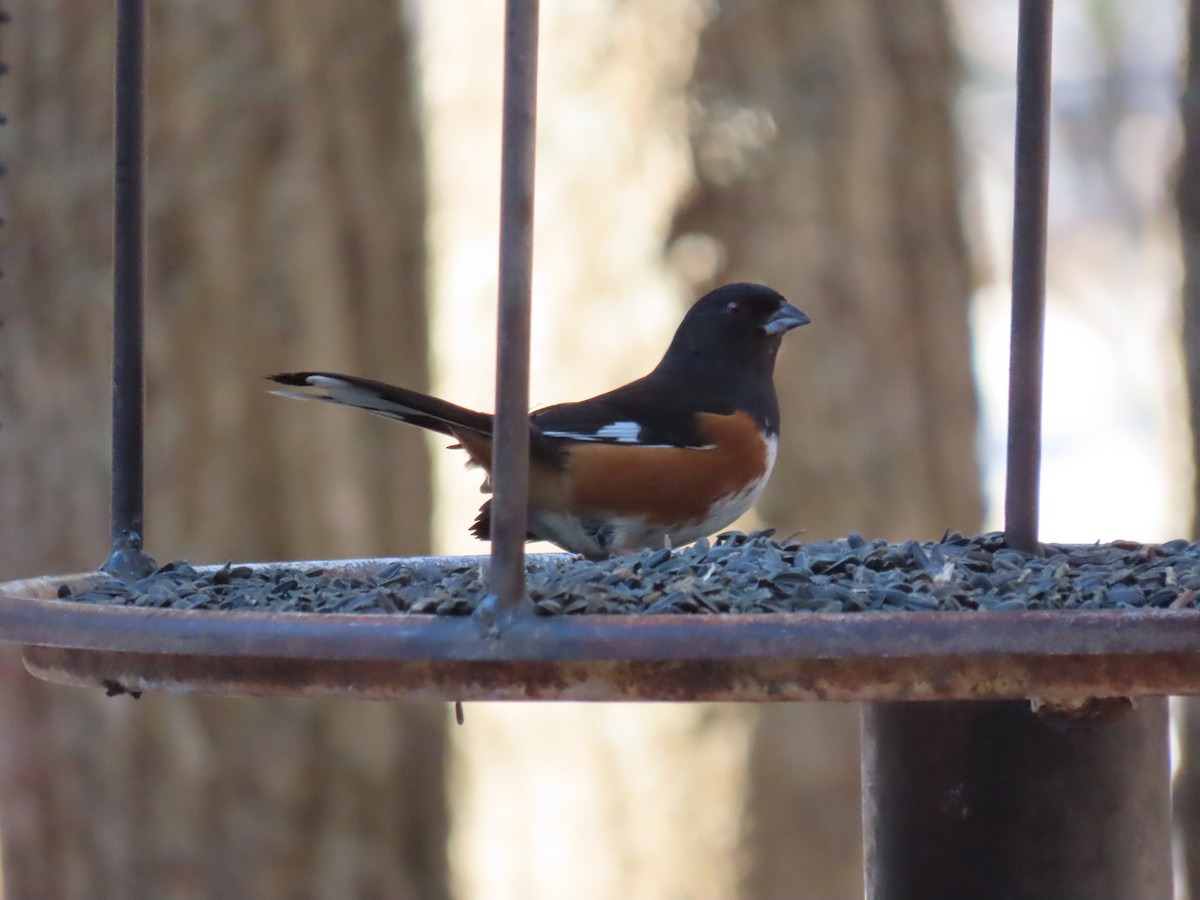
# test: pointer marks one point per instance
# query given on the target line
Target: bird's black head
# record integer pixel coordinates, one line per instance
(736, 326)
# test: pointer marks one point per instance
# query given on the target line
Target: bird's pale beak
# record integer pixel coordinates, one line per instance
(784, 319)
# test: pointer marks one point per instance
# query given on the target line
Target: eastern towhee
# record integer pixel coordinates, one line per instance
(667, 459)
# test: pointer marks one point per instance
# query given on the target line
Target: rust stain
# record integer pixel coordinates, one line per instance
(752, 680)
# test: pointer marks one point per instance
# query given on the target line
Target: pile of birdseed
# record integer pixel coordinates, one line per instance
(736, 573)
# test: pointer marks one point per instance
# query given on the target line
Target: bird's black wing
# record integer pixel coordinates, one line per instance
(646, 412)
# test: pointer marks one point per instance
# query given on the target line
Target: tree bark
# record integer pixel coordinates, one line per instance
(285, 226)
(827, 165)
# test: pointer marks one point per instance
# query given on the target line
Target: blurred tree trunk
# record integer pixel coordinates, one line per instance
(820, 137)
(285, 228)
(827, 166)
(1187, 711)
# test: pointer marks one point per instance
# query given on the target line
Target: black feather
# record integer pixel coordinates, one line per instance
(482, 526)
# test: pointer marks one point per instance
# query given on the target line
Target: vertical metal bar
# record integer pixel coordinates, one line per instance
(1187, 201)
(510, 451)
(1029, 274)
(989, 799)
(127, 435)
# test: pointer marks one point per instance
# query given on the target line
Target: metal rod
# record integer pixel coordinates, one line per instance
(989, 799)
(1187, 201)
(1029, 274)
(510, 450)
(127, 436)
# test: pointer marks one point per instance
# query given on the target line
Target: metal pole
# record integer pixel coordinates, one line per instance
(1031, 162)
(127, 402)
(991, 800)
(510, 451)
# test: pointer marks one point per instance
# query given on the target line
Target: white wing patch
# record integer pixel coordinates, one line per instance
(621, 432)
(612, 433)
(616, 433)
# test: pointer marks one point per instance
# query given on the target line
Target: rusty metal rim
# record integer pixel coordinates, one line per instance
(28, 617)
(1062, 682)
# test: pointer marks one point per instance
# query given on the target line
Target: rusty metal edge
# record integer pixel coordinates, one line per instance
(26, 617)
(931, 678)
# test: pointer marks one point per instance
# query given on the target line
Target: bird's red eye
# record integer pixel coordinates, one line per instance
(737, 309)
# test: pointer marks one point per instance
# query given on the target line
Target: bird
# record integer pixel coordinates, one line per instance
(663, 461)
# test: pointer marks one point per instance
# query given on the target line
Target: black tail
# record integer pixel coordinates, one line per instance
(384, 400)
(482, 526)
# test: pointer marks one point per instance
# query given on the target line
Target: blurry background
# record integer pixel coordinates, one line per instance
(323, 194)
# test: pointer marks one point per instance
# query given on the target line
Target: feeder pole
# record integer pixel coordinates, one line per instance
(510, 448)
(993, 799)
(127, 531)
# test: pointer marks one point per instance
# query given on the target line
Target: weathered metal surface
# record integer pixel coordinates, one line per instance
(741, 679)
(862, 656)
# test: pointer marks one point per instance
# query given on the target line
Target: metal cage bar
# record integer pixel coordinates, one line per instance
(127, 364)
(1032, 168)
(510, 448)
